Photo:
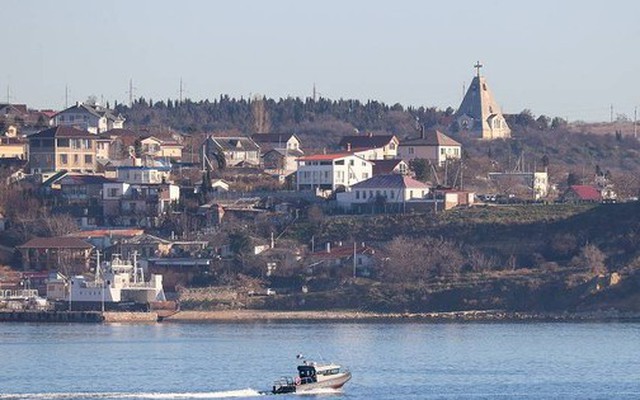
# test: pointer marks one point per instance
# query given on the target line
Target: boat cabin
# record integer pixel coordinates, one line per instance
(311, 372)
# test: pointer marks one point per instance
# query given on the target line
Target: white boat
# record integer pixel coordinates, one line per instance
(312, 376)
(117, 283)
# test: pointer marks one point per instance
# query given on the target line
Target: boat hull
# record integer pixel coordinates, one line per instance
(335, 382)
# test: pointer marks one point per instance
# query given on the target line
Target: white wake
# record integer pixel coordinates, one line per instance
(125, 395)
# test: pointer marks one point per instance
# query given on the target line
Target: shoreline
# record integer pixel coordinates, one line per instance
(360, 316)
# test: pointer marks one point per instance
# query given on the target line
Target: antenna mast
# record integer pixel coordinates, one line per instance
(131, 88)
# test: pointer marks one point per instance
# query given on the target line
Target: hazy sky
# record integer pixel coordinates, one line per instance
(561, 58)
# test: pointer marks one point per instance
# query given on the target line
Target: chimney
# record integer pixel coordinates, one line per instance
(328, 248)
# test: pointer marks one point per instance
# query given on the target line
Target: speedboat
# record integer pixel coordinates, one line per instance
(312, 376)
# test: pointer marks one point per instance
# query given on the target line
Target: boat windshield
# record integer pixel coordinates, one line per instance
(306, 372)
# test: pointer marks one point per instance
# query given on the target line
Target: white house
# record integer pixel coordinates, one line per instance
(155, 147)
(432, 145)
(142, 174)
(126, 204)
(269, 141)
(329, 172)
(91, 117)
(372, 147)
(384, 189)
(237, 150)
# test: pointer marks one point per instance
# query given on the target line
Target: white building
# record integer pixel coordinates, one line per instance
(91, 117)
(479, 113)
(141, 174)
(432, 145)
(533, 185)
(388, 189)
(372, 147)
(328, 172)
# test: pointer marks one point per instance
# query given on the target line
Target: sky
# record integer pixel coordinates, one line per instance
(573, 59)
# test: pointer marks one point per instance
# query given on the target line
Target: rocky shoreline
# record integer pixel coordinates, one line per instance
(346, 315)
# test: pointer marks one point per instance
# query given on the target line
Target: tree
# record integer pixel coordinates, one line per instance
(137, 147)
(558, 122)
(525, 118)
(261, 122)
(543, 122)
(591, 259)
(420, 168)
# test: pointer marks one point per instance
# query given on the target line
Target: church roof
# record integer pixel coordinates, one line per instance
(480, 105)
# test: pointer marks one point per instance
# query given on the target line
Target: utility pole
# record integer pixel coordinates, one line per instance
(354, 259)
(131, 92)
(611, 112)
(181, 90)
(66, 96)
(635, 122)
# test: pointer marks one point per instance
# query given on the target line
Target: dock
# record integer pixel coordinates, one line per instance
(95, 317)
(51, 316)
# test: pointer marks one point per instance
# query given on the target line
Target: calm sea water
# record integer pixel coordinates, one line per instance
(388, 360)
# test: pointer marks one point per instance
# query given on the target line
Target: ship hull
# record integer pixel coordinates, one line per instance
(333, 383)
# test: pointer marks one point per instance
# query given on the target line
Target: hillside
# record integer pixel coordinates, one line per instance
(572, 153)
(523, 258)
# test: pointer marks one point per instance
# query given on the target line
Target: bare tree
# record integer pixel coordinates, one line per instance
(590, 258)
(261, 122)
(413, 260)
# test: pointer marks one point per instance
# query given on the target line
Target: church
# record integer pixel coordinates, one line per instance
(479, 113)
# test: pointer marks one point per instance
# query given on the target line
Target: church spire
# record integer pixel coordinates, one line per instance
(477, 67)
(479, 113)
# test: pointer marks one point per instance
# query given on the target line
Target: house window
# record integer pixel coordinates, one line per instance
(113, 192)
(392, 146)
(64, 159)
(410, 150)
(76, 159)
(351, 162)
(88, 159)
(365, 175)
(357, 195)
(370, 193)
(411, 194)
(63, 142)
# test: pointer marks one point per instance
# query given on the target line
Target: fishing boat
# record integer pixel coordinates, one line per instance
(312, 376)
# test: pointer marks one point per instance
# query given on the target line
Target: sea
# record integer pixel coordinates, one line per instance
(388, 360)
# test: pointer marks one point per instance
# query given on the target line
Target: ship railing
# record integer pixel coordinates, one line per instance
(284, 381)
(18, 294)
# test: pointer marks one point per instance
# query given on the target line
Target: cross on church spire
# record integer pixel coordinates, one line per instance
(477, 67)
